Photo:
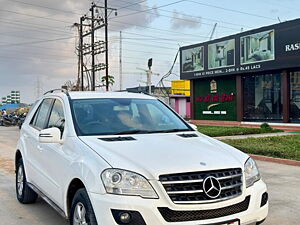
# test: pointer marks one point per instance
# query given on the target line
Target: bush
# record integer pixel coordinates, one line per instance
(266, 126)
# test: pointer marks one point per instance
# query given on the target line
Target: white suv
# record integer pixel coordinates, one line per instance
(121, 158)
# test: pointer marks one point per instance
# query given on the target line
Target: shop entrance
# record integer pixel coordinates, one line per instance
(262, 98)
(295, 96)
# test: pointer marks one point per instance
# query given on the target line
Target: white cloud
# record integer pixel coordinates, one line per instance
(180, 21)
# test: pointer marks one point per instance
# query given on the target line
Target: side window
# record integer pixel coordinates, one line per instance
(33, 120)
(40, 116)
(57, 117)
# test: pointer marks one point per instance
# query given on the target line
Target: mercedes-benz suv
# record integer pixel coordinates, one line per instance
(123, 158)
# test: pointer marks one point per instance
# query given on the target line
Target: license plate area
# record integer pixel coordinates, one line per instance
(231, 222)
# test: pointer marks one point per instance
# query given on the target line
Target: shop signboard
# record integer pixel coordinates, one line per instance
(266, 48)
(215, 99)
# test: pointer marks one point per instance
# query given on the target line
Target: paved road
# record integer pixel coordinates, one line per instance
(283, 183)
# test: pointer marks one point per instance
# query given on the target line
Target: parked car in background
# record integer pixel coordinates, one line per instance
(121, 158)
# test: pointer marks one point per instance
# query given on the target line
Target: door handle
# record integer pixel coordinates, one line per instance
(40, 148)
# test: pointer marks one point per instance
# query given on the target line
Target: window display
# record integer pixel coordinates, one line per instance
(262, 97)
(295, 96)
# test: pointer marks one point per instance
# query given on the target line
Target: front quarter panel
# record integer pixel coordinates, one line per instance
(85, 165)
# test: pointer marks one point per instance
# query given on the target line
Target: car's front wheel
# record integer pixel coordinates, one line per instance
(82, 212)
(24, 193)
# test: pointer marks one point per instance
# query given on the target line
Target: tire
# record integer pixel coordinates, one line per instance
(25, 194)
(82, 202)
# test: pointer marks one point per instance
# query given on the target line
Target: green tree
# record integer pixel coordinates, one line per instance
(111, 81)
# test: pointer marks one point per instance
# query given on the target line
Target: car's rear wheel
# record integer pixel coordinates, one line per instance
(24, 193)
(82, 212)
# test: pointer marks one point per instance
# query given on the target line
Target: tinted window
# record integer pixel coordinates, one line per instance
(115, 116)
(57, 118)
(295, 96)
(262, 97)
(40, 117)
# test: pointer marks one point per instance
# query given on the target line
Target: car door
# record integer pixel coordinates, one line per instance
(53, 158)
(35, 170)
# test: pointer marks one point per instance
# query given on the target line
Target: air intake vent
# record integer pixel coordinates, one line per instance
(183, 216)
(113, 139)
(187, 135)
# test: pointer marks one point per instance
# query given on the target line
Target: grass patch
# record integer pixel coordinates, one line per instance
(286, 147)
(217, 131)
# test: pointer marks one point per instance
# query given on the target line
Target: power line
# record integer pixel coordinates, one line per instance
(34, 16)
(45, 7)
(158, 7)
(231, 10)
(8, 58)
(35, 25)
(197, 17)
(151, 36)
(159, 29)
(33, 46)
(137, 3)
(32, 28)
(172, 17)
(37, 42)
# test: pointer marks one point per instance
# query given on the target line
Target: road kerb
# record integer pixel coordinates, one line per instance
(276, 160)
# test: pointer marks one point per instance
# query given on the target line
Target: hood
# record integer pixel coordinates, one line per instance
(155, 154)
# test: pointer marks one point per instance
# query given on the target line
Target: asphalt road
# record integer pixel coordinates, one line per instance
(283, 184)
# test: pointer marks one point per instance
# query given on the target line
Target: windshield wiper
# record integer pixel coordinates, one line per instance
(132, 132)
(169, 131)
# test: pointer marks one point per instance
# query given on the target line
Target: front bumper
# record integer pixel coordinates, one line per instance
(148, 208)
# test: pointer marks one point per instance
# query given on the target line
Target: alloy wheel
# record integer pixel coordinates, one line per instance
(79, 217)
(20, 181)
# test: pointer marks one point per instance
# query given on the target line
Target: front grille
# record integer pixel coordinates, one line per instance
(182, 216)
(187, 188)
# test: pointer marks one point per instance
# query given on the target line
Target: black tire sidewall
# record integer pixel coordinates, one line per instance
(20, 164)
(82, 197)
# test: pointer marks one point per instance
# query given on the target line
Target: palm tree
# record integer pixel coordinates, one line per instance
(111, 80)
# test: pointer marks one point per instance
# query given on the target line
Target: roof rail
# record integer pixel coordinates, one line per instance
(58, 89)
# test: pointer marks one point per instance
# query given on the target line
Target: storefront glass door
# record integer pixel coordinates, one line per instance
(262, 97)
(295, 96)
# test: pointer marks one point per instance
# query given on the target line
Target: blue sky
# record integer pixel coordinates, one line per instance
(155, 33)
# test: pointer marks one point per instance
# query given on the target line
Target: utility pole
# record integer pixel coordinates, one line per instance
(81, 53)
(88, 51)
(92, 9)
(120, 66)
(106, 44)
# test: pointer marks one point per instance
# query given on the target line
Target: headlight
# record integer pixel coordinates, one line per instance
(122, 182)
(251, 172)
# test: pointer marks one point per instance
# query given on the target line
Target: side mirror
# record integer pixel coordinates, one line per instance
(193, 126)
(50, 135)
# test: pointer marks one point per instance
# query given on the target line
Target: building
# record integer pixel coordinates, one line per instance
(15, 97)
(180, 97)
(12, 98)
(145, 89)
(250, 76)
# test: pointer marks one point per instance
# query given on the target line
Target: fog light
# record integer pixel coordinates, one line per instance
(125, 217)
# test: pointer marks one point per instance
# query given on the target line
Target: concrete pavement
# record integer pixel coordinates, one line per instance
(255, 135)
(283, 183)
(11, 211)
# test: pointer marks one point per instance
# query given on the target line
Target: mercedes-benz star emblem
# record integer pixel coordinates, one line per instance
(212, 187)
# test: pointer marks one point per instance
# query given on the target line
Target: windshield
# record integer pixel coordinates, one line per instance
(124, 116)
